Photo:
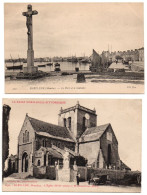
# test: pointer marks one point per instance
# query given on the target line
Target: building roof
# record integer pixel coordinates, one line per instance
(50, 130)
(93, 133)
(56, 152)
(52, 152)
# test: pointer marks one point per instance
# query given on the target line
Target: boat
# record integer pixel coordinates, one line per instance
(72, 59)
(57, 67)
(85, 60)
(16, 67)
(49, 64)
(42, 65)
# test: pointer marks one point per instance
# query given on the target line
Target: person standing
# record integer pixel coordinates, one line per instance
(78, 178)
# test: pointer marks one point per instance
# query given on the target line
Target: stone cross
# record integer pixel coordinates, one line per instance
(30, 53)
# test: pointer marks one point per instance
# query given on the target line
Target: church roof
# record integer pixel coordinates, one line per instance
(93, 133)
(50, 130)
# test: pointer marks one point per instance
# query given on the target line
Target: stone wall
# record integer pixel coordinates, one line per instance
(104, 142)
(89, 150)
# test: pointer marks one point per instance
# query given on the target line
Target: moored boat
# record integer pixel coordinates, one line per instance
(42, 65)
(49, 64)
(57, 67)
(16, 67)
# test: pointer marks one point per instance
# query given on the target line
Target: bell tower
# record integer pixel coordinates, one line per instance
(77, 119)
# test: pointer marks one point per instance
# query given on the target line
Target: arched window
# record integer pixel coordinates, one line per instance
(27, 136)
(45, 160)
(69, 122)
(49, 160)
(64, 122)
(84, 123)
(23, 137)
(38, 164)
(44, 143)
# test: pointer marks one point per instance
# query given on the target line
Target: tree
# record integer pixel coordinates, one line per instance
(5, 146)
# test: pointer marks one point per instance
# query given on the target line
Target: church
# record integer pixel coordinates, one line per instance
(75, 141)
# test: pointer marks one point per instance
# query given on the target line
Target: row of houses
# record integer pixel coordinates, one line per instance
(129, 55)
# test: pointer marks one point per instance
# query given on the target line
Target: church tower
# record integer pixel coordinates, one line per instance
(77, 119)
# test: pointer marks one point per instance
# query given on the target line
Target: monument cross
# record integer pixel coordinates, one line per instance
(30, 52)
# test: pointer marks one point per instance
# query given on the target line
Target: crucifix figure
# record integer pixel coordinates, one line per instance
(30, 53)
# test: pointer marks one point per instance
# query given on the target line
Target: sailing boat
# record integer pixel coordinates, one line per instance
(14, 67)
(95, 62)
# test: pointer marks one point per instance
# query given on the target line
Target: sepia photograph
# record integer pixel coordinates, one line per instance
(74, 48)
(72, 145)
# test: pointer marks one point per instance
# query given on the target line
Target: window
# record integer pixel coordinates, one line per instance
(32, 159)
(23, 137)
(49, 160)
(84, 123)
(109, 136)
(45, 160)
(44, 143)
(64, 122)
(38, 164)
(69, 122)
(27, 136)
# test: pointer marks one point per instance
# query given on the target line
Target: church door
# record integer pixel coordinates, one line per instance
(25, 162)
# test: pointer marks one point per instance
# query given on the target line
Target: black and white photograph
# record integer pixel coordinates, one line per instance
(72, 145)
(74, 47)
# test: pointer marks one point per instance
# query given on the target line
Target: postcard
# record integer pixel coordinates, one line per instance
(74, 48)
(72, 145)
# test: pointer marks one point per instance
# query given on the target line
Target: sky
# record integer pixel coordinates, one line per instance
(124, 115)
(66, 29)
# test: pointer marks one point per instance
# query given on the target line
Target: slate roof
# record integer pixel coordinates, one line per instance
(54, 153)
(57, 152)
(93, 133)
(50, 130)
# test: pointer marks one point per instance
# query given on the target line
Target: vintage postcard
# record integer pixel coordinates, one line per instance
(74, 47)
(72, 145)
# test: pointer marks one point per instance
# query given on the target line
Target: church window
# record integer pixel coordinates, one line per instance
(44, 143)
(109, 136)
(64, 122)
(27, 136)
(45, 160)
(38, 164)
(84, 123)
(49, 160)
(32, 159)
(69, 123)
(23, 137)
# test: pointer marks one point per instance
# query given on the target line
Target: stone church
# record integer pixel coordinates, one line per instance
(77, 136)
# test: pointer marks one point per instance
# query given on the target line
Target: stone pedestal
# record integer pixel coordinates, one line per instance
(30, 69)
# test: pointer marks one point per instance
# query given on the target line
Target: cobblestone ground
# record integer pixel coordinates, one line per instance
(11, 184)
